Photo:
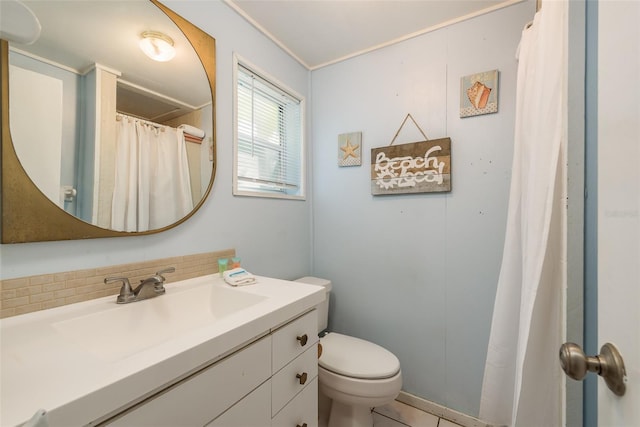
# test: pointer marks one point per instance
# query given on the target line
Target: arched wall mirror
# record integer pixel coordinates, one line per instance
(99, 140)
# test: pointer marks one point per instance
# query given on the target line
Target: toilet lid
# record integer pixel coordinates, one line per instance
(356, 358)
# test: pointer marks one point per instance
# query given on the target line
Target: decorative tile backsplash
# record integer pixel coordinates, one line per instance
(33, 293)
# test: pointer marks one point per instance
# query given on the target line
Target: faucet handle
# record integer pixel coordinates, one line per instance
(160, 278)
(126, 293)
(166, 270)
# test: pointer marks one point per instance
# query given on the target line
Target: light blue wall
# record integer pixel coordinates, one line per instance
(87, 149)
(272, 236)
(418, 273)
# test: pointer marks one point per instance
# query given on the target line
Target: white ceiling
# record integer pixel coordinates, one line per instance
(321, 32)
(315, 32)
(78, 34)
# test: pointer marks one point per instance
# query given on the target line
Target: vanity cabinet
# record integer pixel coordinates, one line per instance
(297, 412)
(270, 381)
(205, 395)
(252, 411)
(294, 385)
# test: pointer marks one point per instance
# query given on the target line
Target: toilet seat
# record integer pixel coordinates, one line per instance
(357, 358)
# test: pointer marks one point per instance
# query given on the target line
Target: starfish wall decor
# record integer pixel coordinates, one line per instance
(350, 149)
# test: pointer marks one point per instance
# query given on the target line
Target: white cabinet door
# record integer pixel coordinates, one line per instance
(293, 378)
(301, 411)
(619, 202)
(294, 338)
(206, 395)
(252, 411)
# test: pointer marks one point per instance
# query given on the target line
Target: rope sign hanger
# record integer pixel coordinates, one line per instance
(400, 128)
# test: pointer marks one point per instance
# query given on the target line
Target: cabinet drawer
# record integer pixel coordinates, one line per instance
(287, 382)
(294, 338)
(301, 411)
(202, 397)
(252, 411)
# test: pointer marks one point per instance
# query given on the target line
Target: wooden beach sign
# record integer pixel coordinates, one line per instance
(417, 167)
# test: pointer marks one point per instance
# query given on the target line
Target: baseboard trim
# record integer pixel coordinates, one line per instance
(441, 411)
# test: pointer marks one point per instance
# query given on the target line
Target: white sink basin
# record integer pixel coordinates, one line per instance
(122, 330)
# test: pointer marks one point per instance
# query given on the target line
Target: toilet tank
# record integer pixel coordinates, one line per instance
(323, 307)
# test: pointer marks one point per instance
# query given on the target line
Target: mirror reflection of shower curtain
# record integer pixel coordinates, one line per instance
(152, 188)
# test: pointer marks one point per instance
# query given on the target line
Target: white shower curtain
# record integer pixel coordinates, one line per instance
(523, 382)
(152, 188)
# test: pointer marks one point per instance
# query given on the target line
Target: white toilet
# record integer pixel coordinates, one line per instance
(357, 375)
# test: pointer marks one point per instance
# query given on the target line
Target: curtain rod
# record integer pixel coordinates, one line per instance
(120, 116)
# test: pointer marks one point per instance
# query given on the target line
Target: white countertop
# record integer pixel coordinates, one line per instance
(79, 376)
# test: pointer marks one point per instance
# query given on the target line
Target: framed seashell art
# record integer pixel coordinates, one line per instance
(479, 94)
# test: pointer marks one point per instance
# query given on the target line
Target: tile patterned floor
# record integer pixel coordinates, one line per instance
(398, 414)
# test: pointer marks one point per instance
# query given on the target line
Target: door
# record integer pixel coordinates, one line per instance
(36, 127)
(619, 202)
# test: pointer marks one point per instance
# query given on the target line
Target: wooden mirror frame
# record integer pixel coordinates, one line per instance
(27, 214)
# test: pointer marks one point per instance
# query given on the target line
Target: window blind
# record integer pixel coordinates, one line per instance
(269, 138)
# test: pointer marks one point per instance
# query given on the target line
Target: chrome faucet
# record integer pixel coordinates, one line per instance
(148, 288)
(126, 294)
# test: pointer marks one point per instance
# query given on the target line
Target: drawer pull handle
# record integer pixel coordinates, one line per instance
(303, 339)
(302, 377)
(303, 425)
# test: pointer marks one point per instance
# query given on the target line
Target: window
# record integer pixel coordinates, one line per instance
(269, 151)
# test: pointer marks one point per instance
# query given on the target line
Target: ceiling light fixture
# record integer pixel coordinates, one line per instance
(157, 46)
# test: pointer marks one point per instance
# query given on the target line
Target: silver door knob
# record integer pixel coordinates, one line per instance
(608, 364)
